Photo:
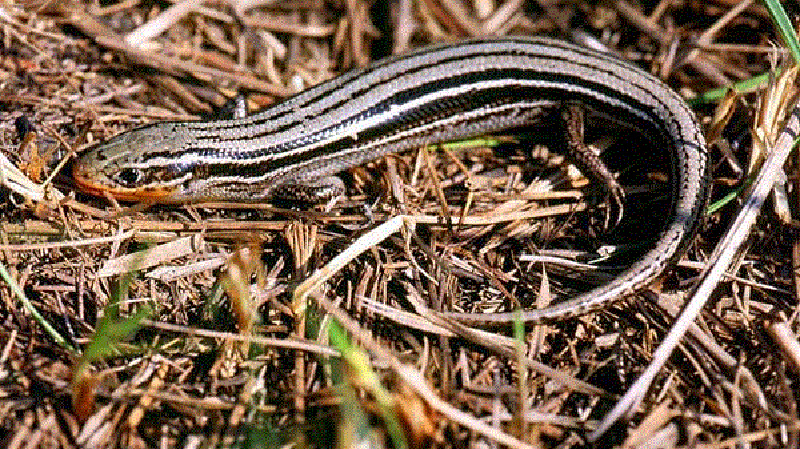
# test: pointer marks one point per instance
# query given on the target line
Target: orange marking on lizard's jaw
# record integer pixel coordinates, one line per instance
(86, 184)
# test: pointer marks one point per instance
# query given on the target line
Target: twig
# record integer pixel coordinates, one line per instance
(163, 21)
(654, 31)
(288, 343)
(787, 341)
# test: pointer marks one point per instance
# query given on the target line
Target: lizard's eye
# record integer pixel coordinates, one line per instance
(129, 177)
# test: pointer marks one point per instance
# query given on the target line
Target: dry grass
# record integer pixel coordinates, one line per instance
(185, 326)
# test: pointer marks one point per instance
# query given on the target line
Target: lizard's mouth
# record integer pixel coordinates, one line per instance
(91, 182)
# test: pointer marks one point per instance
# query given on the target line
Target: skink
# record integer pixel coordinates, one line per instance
(432, 95)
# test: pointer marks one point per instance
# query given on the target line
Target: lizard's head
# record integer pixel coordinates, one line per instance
(138, 165)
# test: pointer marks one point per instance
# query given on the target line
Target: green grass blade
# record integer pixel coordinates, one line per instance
(784, 26)
(35, 313)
